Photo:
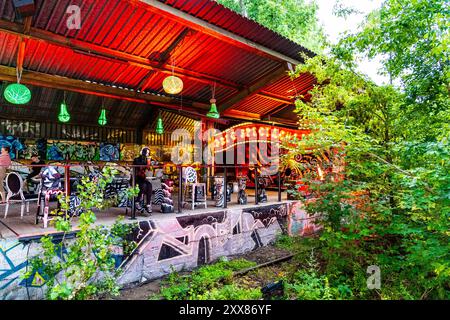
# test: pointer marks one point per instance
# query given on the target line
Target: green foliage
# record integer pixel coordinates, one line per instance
(307, 284)
(294, 19)
(391, 205)
(83, 267)
(198, 284)
(231, 292)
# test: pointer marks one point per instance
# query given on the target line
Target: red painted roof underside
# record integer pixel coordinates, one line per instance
(129, 26)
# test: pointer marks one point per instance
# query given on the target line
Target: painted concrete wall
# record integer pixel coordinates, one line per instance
(180, 243)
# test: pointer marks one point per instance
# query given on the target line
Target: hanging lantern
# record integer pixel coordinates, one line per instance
(213, 113)
(159, 125)
(17, 93)
(172, 85)
(102, 119)
(63, 115)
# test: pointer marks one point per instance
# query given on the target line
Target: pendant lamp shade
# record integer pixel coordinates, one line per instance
(63, 115)
(172, 85)
(17, 93)
(213, 113)
(102, 119)
(159, 125)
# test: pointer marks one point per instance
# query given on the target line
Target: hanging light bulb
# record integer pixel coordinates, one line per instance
(102, 119)
(63, 115)
(159, 125)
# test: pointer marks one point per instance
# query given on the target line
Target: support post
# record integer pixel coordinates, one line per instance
(67, 186)
(256, 185)
(133, 201)
(180, 189)
(225, 205)
(279, 186)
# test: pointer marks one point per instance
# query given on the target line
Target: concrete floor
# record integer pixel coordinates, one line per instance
(15, 227)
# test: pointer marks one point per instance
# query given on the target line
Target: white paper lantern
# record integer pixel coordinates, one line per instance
(172, 85)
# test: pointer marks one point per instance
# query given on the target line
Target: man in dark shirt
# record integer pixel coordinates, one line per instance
(35, 170)
(143, 163)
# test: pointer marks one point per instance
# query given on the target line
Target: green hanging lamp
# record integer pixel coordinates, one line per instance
(213, 113)
(159, 125)
(102, 119)
(63, 115)
(17, 93)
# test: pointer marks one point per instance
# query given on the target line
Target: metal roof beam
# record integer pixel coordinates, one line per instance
(256, 87)
(213, 30)
(63, 83)
(274, 97)
(110, 54)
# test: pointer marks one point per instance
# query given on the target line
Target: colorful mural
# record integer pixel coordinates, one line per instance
(129, 151)
(13, 143)
(172, 243)
(76, 151)
(14, 257)
(109, 152)
(183, 243)
(300, 223)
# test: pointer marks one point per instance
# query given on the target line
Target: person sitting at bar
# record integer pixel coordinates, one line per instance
(5, 162)
(35, 170)
(145, 187)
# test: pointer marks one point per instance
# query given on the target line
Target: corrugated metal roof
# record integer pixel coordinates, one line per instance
(127, 27)
(84, 109)
(173, 121)
(217, 14)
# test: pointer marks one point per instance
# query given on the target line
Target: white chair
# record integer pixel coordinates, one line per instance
(194, 192)
(14, 185)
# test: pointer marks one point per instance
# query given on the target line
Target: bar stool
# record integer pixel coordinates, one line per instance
(218, 190)
(242, 196)
(194, 192)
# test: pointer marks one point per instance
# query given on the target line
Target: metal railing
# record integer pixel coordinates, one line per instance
(128, 172)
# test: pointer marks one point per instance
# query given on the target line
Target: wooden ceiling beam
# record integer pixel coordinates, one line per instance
(213, 30)
(256, 87)
(94, 50)
(275, 97)
(63, 83)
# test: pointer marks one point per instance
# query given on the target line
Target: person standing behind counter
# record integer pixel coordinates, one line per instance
(35, 171)
(5, 163)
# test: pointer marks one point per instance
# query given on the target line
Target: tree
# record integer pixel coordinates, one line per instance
(393, 207)
(294, 19)
(412, 38)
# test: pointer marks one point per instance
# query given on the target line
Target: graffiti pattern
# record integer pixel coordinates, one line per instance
(300, 223)
(62, 150)
(14, 259)
(185, 242)
(109, 152)
(118, 188)
(13, 143)
(172, 243)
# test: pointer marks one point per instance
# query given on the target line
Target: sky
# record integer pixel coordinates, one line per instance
(334, 26)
